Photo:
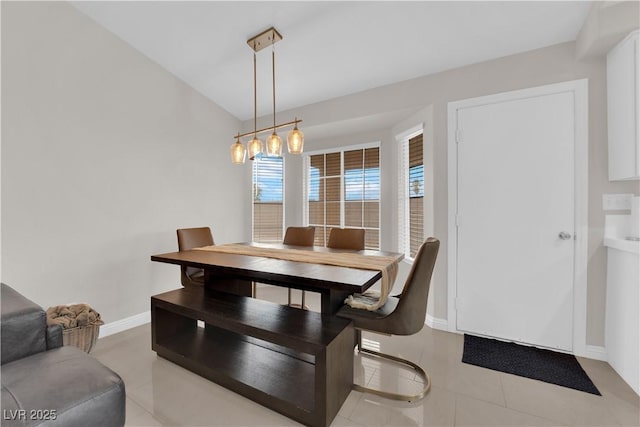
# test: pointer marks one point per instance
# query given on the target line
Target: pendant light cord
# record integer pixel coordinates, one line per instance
(255, 98)
(273, 73)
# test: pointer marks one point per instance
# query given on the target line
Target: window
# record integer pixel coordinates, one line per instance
(411, 193)
(268, 212)
(343, 190)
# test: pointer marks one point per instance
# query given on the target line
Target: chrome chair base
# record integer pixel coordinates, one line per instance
(393, 396)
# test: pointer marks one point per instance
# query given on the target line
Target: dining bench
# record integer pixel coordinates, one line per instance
(296, 362)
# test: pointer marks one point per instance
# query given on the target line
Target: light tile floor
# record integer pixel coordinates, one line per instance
(162, 393)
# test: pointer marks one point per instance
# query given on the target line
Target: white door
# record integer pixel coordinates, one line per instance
(515, 234)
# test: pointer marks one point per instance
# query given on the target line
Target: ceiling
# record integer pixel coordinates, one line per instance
(329, 49)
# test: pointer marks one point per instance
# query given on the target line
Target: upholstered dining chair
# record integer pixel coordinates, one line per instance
(346, 238)
(189, 238)
(403, 314)
(299, 236)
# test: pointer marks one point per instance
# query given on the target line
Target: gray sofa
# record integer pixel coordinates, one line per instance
(46, 384)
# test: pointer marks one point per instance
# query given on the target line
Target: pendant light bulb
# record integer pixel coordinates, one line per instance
(238, 152)
(295, 140)
(254, 147)
(274, 145)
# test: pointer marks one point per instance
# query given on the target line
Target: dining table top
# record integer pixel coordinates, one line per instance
(301, 275)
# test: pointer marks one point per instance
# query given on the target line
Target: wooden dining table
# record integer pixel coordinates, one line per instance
(234, 273)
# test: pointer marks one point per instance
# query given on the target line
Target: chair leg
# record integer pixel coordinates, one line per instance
(254, 290)
(303, 306)
(394, 396)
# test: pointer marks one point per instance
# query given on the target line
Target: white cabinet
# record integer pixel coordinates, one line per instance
(622, 329)
(623, 86)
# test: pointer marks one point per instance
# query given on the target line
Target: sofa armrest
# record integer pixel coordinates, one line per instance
(23, 326)
(54, 336)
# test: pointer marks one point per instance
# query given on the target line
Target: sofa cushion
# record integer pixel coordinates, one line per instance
(23, 326)
(75, 386)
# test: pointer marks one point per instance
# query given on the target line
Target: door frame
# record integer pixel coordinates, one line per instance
(580, 90)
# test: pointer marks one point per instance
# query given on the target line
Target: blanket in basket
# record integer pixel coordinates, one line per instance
(72, 316)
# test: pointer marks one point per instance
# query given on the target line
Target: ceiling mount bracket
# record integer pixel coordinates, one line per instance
(264, 39)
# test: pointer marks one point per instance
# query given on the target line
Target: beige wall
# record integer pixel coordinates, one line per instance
(539, 67)
(607, 24)
(104, 155)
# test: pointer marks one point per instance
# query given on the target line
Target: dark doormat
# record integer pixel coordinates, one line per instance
(530, 362)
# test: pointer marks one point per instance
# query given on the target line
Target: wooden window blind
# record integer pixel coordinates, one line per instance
(416, 195)
(411, 194)
(268, 207)
(344, 191)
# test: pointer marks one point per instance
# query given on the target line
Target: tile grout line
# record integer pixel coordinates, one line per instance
(139, 403)
(455, 408)
(520, 411)
(504, 394)
(143, 409)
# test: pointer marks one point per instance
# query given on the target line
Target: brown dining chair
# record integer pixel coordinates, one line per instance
(299, 236)
(346, 238)
(189, 238)
(403, 314)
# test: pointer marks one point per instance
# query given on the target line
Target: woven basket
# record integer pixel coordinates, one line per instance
(83, 337)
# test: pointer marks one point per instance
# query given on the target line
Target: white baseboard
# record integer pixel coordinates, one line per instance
(436, 323)
(596, 352)
(124, 324)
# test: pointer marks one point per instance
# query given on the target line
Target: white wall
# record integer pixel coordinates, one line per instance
(539, 67)
(104, 155)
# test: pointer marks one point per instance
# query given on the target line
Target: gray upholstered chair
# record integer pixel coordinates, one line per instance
(299, 236)
(189, 238)
(40, 375)
(346, 238)
(403, 314)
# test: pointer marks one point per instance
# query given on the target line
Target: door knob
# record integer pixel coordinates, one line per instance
(563, 235)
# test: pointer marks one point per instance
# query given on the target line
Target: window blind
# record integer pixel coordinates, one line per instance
(411, 196)
(268, 190)
(416, 195)
(344, 191)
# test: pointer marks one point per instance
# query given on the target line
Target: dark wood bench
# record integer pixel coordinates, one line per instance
(296, 362)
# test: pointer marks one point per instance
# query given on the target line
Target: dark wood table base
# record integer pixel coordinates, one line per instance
(331, 299)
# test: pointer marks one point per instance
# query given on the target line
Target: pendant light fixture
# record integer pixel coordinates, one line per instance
(295, 138)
